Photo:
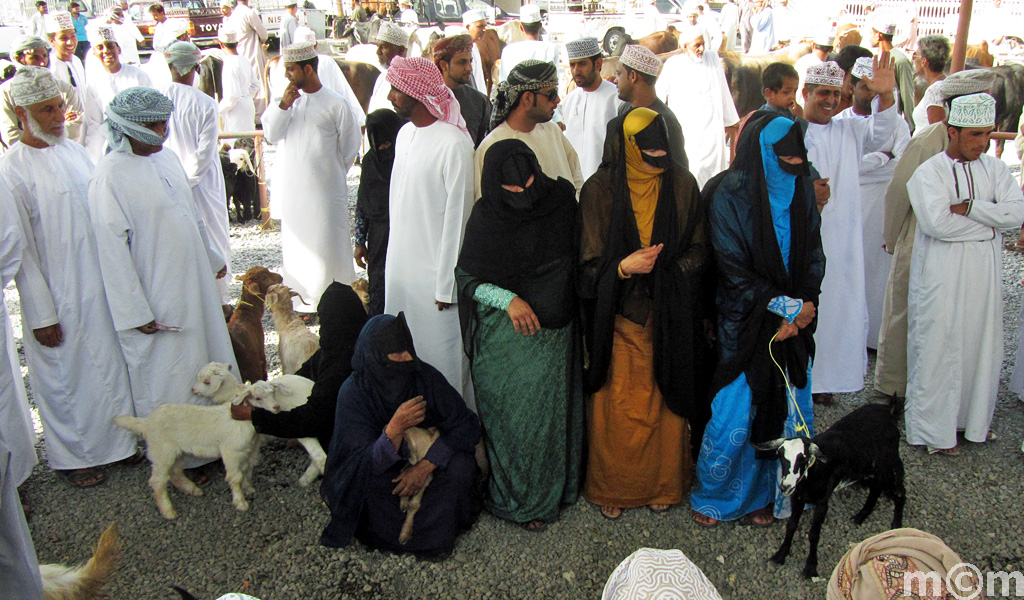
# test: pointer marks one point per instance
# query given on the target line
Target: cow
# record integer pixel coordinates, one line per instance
(1008, 90)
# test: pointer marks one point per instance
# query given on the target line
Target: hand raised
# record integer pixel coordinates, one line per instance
(642, 261)
(883, 78)
(409, 414)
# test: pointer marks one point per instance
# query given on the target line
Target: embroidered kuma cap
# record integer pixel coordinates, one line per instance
(474, 15)
(583, 48)
(392, 34)
(826, 73)
(298, 52)
(58, 21)
(641, 59)
(529, 13)
(864, 67)
(974, 110)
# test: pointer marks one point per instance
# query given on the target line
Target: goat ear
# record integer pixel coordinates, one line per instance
(280, 388)
(242, 398)
(769, 446)
(239, 277)
(230, 367)
(817, 453)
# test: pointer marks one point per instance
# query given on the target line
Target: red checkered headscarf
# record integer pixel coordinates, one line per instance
(419, 78)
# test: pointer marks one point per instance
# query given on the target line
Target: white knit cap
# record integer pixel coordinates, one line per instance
(583, 48)
(304, 34)
(227, 35)
(392, 34)
(864, 67)
(529, 13)
(299, 52)
(31, 85)
(690, 8)
(58, 21)
(825, 38)
(688, 33)
(641, 59)
(975, 110)
(474, 15)
(227, 3)
(826, 73)
(883, 24)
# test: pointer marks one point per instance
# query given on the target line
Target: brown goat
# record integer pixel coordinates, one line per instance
(246, 324)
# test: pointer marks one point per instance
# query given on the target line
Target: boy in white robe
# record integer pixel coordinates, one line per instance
(65, 66)
(157, 262)
(252, 34)
(104, 84)
(962, 198)
(587, 109)
(78, 374)
(836, 146)
(430, 204)
(693, 85)
(876, 170)
(237, 107)
(15, 420)
(193, 138)
(317, 140)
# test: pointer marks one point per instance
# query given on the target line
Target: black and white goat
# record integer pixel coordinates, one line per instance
(861, 448)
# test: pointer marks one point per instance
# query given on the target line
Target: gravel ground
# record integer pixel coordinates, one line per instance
(272, 551)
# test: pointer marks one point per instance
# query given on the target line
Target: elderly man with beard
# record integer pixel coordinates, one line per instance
(523, 109)
(587, 109)
(77, 371)
(33, 51)
(431, 198)
(693, 85)
(104, 84)
(157, 262)
(391, 42)
(475, 21)
(454, 57)
(193, 138)
(317, 138)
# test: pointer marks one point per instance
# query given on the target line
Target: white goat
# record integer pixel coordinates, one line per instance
(174, 430)
(285, 393)
(297, 343)
(216, 382)
(419, 442)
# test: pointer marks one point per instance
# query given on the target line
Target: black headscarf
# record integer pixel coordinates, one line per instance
(523, 242)
(366, 402)
(671, 294)
(751, 272)
(375, 180)
(342, 317)
(528, 76)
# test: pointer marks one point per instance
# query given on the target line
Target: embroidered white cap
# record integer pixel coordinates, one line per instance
(473, 15)
(227, 35)
(883, 24)
(31, 85)
(529, 13)
(299, 52)
(58, 21)
(641, 59)
(392, 34)
(864, 67)
(583, 48)
(826, 73)
(974, 110)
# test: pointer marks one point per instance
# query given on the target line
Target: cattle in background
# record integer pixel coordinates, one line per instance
(1008, 90)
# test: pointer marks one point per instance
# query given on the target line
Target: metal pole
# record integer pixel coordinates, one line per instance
(960, 47)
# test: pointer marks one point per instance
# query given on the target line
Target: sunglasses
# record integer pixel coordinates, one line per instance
(550, 95)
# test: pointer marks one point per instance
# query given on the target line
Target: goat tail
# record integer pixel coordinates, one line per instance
(85, 582)
(133, 424)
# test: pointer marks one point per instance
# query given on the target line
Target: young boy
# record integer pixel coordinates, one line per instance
(780, 82)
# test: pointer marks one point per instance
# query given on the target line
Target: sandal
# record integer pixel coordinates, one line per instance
(84, 478)
(704, 520)
(610, 512)
(824, 399)
(659, 509)
(954, 451)
(535, 526)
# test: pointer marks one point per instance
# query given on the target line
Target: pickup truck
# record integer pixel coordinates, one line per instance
(204, 20)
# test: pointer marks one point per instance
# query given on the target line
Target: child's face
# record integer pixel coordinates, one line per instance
(786, 96)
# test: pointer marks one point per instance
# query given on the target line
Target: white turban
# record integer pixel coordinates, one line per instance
(127, 112)
(182, 56)
(32, 85)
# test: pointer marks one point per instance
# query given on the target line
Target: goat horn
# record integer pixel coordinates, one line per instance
(300, 298)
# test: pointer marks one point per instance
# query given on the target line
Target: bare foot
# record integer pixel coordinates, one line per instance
(762, 516)
(611, 512)
(704, 520)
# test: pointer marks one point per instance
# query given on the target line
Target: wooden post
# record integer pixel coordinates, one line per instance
(960, 47)
(261, 183)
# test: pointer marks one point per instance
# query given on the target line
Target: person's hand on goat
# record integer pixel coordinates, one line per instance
(222, 273)
(409, 414)
(641, 262)
(524, 320)
(413, 479)
(442, 305)
(807, 312)
(242, 411)
(51, 336)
